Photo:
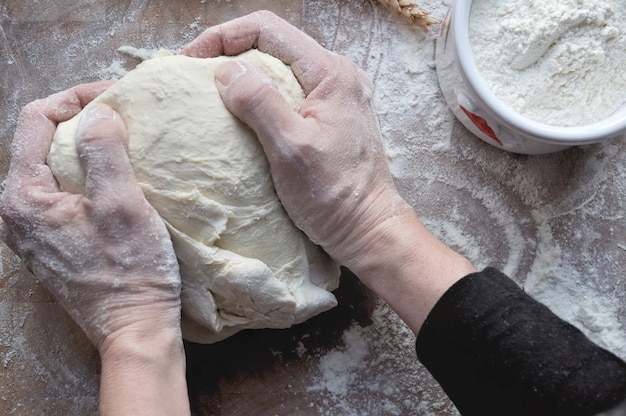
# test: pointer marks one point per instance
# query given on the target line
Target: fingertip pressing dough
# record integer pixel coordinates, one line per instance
(243, 262)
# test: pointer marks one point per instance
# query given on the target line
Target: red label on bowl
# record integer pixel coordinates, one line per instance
(482, 125)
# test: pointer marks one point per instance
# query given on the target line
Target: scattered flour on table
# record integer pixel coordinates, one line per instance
(556, 62)
(375, 372)
(581, 298)
(338, 366)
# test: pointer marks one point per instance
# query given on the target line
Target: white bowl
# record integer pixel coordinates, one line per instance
(485, 115)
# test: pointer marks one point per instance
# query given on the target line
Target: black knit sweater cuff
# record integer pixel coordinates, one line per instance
(497, 351)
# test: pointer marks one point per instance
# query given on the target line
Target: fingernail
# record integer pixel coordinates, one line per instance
(228, 72)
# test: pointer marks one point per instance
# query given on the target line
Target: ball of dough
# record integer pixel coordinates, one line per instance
(243, 262)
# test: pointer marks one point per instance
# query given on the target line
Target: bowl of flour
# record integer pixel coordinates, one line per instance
(531, 76)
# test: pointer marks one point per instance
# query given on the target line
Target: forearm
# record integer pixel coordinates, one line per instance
(144, 374)
(408, 267)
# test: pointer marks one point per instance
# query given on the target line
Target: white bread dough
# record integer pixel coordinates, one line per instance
(243, 262)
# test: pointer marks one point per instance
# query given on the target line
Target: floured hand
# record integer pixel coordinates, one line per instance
(328, 163)
(105, 254)
(327, 160)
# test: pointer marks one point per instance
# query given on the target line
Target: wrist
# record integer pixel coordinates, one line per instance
(109, 317)
(143, 372)
(408, 267)
(142, 345)
(369, 231)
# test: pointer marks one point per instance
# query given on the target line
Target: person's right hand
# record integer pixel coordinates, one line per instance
(327, 161)
(105, 254)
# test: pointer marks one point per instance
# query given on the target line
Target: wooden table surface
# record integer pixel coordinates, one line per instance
(554, 222)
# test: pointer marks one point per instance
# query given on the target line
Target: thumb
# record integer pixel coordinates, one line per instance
(102, 142)
(252, 96)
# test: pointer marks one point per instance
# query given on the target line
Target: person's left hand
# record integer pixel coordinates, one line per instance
(106, 254)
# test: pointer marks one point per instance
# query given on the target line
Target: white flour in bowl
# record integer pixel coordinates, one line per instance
(556, 62)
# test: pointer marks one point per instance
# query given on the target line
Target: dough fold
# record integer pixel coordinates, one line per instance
(243, 262)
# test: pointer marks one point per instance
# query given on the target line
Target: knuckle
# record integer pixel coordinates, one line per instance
(12, 204)
(266, 14)
(32, 107)
(349, 80)
(32, 110)
(118, 209)
(359, 81)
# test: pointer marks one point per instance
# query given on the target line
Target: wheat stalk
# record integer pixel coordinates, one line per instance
(411, 12)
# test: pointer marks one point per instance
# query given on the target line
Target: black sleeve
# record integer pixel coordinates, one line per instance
(497, 351)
